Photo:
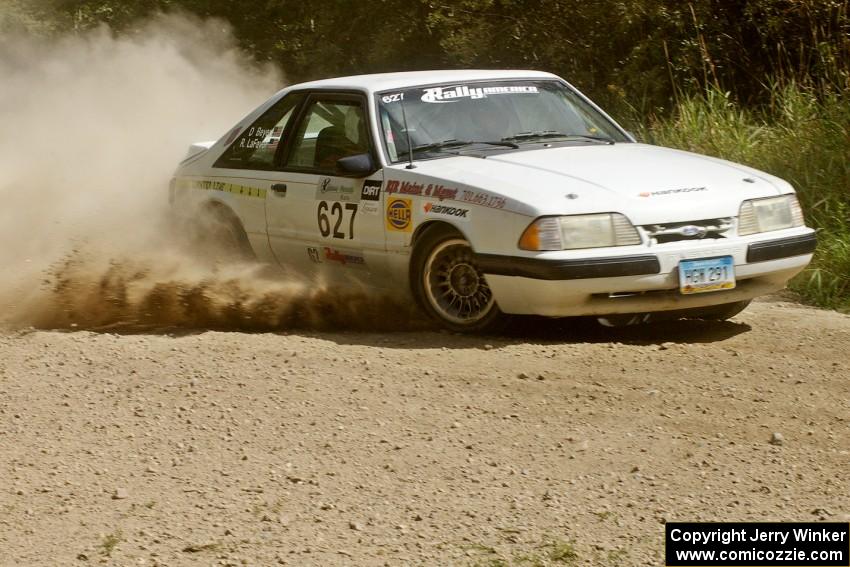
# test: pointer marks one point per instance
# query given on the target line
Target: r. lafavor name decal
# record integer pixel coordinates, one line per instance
(764, 544)
(442, 95)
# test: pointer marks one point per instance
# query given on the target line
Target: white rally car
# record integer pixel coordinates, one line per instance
(486, 193)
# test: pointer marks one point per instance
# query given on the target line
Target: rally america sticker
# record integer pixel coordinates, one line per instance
(344, 257)
(442, 95)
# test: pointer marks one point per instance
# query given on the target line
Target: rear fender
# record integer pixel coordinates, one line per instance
(196, 151)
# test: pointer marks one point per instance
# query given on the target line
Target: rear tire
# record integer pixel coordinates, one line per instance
(217, 235)
(449, 285)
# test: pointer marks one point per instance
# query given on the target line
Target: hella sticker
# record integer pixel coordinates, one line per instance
(399, 215)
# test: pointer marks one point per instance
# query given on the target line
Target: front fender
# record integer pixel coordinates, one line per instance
(489, 220)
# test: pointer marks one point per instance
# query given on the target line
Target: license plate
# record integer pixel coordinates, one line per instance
(711, 274)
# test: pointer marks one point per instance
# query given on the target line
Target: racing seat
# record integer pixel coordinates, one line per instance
(331, 144)
(335, 142)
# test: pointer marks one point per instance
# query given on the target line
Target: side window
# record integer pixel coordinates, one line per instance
(329, 130)
(257, 146)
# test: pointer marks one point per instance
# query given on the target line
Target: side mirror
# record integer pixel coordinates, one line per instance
(359, 165)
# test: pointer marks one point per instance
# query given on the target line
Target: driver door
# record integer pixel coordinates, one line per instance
(319, 214)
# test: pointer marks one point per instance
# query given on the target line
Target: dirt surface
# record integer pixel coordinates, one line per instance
(562, 444)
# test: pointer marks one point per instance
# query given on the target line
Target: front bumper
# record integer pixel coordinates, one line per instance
(641, 283)
(539, 269)
(782, 248)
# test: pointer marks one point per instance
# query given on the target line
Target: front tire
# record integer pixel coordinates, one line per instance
(450, 286)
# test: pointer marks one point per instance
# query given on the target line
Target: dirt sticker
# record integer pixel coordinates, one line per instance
(371, 190)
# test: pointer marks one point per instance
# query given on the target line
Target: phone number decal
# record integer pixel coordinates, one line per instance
(483, 199)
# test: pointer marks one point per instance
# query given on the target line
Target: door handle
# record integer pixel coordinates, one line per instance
(279, 188)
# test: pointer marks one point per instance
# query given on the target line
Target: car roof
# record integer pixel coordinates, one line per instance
(389, 81)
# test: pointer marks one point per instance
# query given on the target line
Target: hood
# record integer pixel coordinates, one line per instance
(649, 184)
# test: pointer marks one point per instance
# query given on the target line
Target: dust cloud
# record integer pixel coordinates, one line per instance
(91, 129)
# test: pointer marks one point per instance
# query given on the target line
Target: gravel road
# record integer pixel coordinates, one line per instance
(562, 444)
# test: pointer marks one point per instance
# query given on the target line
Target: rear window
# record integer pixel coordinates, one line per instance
(257, 146)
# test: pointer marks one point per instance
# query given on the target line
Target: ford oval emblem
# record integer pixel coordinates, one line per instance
(691, 230)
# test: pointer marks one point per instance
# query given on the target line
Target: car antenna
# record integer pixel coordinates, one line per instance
(407, 133)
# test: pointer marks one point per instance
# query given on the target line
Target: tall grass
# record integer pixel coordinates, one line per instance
(803, 136)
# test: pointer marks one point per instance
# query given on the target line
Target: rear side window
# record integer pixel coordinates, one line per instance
(257, 146)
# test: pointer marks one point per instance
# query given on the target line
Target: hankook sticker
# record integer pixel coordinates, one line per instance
(671, 191)
(446, 211)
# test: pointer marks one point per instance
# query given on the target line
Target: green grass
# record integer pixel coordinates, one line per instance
(802, 136)
(110, 542)
(562, 552)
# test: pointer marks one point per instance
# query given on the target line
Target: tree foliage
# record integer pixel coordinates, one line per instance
(641, 54)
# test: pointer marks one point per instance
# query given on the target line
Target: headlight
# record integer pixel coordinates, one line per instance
(579, 231)
(772, 213)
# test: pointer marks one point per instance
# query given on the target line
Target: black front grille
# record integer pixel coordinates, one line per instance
(689, 230)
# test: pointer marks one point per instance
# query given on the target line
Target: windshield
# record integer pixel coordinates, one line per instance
(444, 120)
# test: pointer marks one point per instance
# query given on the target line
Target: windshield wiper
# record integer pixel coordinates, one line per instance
(458, 144)
(548, 134)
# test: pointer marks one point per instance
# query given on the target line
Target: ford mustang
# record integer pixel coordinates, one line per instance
(484, 194)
